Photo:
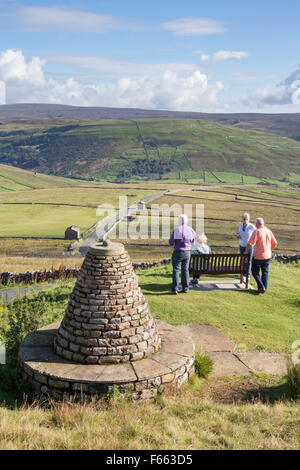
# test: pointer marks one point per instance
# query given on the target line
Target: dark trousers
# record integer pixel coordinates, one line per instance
(263, 265)
(180, 260)
(242, 251)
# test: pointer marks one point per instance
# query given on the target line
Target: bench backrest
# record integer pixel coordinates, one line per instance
(219, 264)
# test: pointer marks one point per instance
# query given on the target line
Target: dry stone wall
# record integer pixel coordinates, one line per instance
(62, 273)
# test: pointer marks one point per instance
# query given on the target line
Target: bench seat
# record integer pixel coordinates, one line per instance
(217, 264)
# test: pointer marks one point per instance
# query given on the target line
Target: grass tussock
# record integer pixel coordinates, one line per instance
(293, 379)
(203, 364)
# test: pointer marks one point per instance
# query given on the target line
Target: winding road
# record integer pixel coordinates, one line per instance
(107, 224)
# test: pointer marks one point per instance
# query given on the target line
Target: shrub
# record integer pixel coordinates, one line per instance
(293, 379)
(24, 317)
(203, 364)
(12, 382)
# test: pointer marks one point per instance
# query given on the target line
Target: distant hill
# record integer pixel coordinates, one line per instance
(119, 150)
(282, 124)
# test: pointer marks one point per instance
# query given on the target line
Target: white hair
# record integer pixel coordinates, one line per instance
(260, 221)
(202, 238)
(182, 219)
(246, 215)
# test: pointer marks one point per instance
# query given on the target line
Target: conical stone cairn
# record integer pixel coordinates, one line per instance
(107, 319)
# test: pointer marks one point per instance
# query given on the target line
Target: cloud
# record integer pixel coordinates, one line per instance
(2, 92)
(116, 68)
(205, 58)
(286, 92)
(194, 26)
(53, 18)
(242, 76)
(14, 67)
(182, 90)
(224, 55)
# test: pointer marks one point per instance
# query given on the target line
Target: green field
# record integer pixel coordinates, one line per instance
(47, 213)
(223, 208)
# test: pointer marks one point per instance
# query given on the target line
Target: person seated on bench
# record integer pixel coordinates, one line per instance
(203, 248)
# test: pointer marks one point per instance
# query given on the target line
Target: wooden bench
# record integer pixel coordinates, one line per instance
(217, 264)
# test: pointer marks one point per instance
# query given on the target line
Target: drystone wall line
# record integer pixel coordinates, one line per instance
(48, 204)
(30, 277)
(287, 258)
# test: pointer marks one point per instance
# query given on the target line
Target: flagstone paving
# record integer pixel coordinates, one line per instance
(220, 285)
(227, 360)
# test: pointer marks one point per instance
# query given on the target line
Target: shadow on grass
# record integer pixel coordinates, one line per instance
(155, 289)
(245, 390)
(13, 389)
(7, 400)
(268, 394)
(165, 275)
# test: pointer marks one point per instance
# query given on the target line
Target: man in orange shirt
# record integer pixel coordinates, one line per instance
(263, 242)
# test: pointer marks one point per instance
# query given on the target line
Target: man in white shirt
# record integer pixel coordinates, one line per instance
(244, 233)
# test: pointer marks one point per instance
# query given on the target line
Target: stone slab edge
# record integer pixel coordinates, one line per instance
(167, 368)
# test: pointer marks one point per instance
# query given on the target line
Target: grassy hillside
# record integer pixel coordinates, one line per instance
(287, 124)
(149, 149)
(16, 179)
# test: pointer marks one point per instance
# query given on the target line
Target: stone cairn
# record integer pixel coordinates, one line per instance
(106, 339)
(107, 319)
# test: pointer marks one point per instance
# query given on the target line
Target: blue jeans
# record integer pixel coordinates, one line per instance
(180, 259)
(242, 251)
(263, 265)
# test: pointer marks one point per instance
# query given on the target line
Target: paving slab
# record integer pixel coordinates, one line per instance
(226, 364)
(220, 285)
(173, 361)
(263, 362)
(38, 340)
(55, 370)
(175, 347)
(207, 338)
(49, 329)
(35, 353)
(149, 368)
(116, 373)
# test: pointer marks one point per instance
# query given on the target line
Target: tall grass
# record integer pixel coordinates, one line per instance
(203, 364)
(184, 420)
(293, 379)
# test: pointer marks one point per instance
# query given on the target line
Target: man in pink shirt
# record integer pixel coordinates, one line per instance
(263, 242)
